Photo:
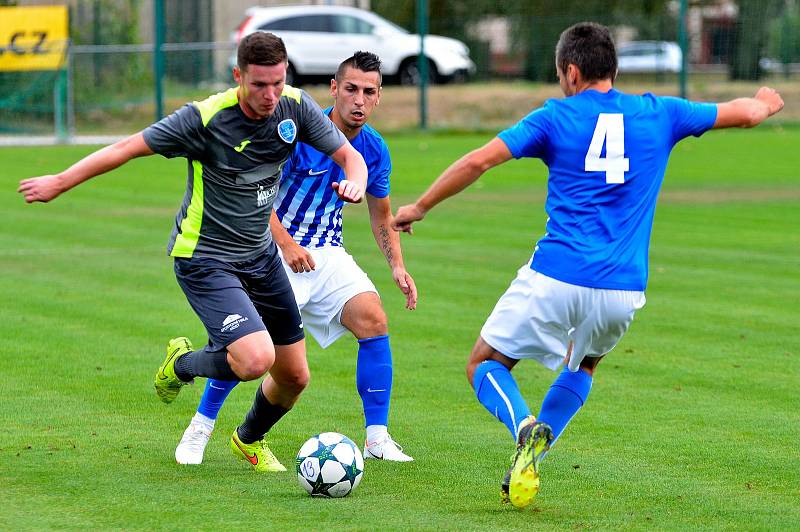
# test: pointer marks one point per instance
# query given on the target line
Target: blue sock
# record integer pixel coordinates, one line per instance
(374, 378)
(498, 392)
(213, 396)
(564, 398)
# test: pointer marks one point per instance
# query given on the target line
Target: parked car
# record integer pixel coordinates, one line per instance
(318, 38)
(649, 56)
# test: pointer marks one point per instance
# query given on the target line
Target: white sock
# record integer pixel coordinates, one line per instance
(376, 433)
(206, 421)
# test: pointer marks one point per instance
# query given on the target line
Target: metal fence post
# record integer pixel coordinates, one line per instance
(422, 62)
(70, 94)
(158, 57)
(684, 43)
(59, 110)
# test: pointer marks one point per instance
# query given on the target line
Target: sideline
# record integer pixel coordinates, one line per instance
(52, 140)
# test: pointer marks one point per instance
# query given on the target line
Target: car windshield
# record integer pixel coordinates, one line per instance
(395, 26)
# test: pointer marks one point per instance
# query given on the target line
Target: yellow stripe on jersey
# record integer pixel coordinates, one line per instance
(214, 104)
(291, 92)
(186, 241)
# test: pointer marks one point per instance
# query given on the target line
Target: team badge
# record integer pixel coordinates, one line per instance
(287, 130)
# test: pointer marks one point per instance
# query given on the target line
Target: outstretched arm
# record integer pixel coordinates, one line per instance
(388, 240)
(48, 187)
(456, 178)
(749, 112)
(352, 188)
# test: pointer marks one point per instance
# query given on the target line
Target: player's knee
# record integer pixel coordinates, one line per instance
(296, 381)
(470, 369)
(372, 324)
(588, 364)
(256, 364)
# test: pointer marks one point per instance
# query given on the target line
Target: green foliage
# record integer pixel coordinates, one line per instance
(538, 26)
(535, 25)
(784, 36)
(692, 422)
(451, 19)
(752, 27)
(100, 77)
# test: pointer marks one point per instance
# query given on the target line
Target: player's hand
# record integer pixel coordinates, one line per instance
(297, 257)
(771, 98)
(348, 191)
(406, 284)
(407, 215)
(42, 188)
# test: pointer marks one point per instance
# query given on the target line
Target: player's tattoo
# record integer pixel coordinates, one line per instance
(386, 244)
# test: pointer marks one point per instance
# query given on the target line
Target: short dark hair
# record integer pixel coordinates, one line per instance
(363, 61)
(261, 48)
(589, 46)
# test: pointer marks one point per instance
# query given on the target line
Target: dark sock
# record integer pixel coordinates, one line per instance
(202, 363)
(261, 417)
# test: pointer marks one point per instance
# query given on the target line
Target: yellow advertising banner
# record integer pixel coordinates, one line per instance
(33, 37)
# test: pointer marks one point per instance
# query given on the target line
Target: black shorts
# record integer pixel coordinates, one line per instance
(234, 299)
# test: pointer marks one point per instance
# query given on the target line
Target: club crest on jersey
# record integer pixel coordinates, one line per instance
(287, 130)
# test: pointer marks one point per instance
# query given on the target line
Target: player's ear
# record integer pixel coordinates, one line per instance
(333, 87)
(573, 75)
(237, 74)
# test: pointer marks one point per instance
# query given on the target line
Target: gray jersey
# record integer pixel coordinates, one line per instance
(235, 166)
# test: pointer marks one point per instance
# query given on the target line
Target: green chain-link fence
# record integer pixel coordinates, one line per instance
(109, 85)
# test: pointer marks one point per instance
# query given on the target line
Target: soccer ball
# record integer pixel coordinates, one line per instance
(329, 465)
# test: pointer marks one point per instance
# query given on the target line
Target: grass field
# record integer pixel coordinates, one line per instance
(693, 421)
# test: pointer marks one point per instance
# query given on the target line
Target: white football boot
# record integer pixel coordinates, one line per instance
(385, 448)
(193, 444)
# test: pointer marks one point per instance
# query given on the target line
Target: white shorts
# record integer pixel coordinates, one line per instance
(322, 293)
(538, 317)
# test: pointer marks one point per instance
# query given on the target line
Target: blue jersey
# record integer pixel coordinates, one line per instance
(307, 205)
(606, 154)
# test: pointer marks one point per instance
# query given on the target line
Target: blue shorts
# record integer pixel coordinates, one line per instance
(234, 299)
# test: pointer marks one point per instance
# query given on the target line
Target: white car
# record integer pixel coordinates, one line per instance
(649, 56)
(318, 38)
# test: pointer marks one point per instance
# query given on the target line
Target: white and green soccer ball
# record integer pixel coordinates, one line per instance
(329, 465)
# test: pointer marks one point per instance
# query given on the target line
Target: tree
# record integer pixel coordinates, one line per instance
(536, 25)
(539, 24)
(751, 37)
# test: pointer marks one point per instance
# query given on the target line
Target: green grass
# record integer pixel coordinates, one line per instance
(692, 422)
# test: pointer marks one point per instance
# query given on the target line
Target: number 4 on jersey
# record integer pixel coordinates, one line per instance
(610, 130)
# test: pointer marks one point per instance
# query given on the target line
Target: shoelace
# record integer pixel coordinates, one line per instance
(384, 441)
(198, 437)
(268, 456)
(396, 445)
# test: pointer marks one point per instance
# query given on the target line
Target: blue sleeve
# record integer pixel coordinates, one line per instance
(528, 137)
(290, 162)
(379, 170)
(689, 118)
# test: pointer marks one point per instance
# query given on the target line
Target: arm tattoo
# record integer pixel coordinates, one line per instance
(386, 244)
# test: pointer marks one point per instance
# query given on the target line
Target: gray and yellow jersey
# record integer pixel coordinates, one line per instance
(235, 166)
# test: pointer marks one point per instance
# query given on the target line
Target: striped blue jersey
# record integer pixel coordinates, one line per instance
(306, 203)
(606, 154)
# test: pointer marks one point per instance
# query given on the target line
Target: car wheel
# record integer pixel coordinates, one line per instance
(409, 72)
